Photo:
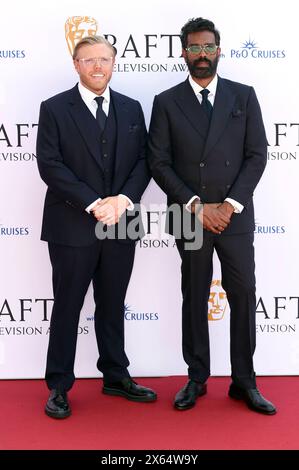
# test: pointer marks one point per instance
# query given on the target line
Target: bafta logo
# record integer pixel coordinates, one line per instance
(78, 27)
(217, 301)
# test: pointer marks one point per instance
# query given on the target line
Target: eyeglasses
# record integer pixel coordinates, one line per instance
(104, 61)
(198, 48)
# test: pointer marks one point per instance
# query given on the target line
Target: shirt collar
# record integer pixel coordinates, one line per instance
(88, 96)
(211, 87)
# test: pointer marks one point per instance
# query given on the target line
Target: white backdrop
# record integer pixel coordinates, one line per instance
(260, 48)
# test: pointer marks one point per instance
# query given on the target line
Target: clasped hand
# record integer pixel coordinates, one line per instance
(109, 210)
(214, 217)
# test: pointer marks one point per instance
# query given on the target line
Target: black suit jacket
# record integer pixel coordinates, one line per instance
(227, 162)
(68, 146)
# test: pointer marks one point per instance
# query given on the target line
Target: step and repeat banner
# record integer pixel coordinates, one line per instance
(260, 48)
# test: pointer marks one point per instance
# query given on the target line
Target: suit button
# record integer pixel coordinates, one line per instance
(227, 163)
(228, 186)
(201, 164)
(105, 155)
(104, 141)
(203, 187)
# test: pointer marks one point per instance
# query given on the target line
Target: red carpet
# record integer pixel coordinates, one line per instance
(103, 422)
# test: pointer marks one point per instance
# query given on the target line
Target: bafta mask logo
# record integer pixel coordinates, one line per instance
(78, 27)
(217, 301)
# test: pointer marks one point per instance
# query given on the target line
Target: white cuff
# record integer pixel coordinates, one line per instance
(92, 205)
(189, 203)
(236, 205)
(131, 205)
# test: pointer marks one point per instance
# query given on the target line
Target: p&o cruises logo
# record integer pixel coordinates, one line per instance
(250, 49)
(13, 231)
(137, 316)
(12, 54)
(270, 229)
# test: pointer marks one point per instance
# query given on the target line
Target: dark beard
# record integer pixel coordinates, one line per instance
(202, 72)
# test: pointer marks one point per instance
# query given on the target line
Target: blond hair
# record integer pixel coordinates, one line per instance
(91, 40)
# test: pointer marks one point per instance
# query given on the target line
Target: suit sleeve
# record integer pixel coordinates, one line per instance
(139, 176)
(53, 171)
(255, 153)
(161, 158)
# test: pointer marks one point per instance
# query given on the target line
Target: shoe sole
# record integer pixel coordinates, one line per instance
(119, 393)
(54, 415)
(239, 398)
(183, 408)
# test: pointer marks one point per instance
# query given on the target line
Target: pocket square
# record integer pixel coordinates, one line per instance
(133, 127)
(237, 112)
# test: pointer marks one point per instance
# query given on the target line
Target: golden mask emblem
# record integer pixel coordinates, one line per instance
(217, 301)
(78, 27)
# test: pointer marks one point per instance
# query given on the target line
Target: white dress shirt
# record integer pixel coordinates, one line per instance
(211, 97)
(89, 99)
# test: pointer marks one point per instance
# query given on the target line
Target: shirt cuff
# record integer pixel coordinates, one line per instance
(92, 205)
(236, 205)
(189, 203)
(131, 205)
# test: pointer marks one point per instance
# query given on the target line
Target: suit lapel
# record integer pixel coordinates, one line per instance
(86, 123)
(122, 125)
(190, 107)
(223, 105)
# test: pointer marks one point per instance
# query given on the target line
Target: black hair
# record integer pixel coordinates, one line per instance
(194, 25)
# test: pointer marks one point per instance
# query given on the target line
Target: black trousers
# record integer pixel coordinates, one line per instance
(108, 264)
(236, 255)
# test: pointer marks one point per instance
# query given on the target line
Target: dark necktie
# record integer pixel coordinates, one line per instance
(100, 116)
(205, 104)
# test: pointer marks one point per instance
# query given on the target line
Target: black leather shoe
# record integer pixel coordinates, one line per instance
(129, 389)
(252, 397)
(187, 396)
(57, 405)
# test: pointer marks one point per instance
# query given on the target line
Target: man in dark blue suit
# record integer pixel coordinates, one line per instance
(91, 154)
(207, 151)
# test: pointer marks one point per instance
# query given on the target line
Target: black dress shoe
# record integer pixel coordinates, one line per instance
(254, 400)
(129, 389)
(57, 405)
(187, 396)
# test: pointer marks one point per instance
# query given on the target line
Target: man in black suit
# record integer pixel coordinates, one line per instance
(91, 154)
(207, 151)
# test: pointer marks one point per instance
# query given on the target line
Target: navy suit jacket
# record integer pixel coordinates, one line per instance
(228, 161)
(69, 162)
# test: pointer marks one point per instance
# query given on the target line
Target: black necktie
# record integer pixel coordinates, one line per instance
(100, 116)
(205, 104)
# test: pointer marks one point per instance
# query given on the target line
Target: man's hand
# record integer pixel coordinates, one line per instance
(215, 217)
(226, 209)
(109, 210)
